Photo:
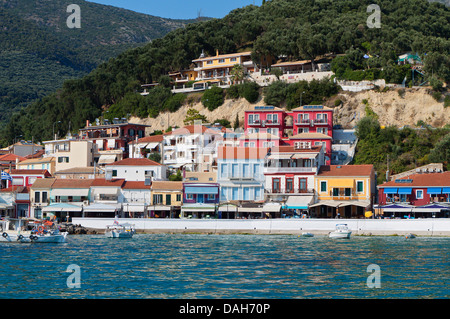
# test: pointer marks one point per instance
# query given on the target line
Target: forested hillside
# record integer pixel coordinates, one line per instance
(38, 51)
(295, 29)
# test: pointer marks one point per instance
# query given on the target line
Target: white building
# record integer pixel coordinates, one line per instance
(187, 146)
(137, 170)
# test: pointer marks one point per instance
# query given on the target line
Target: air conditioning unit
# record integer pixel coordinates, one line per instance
(85, 203)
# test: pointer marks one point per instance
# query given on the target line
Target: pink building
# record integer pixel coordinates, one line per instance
(267, 119)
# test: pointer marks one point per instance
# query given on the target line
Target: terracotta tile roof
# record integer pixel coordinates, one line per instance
(43, 183)
(345, 170)
(425, 179)
(118, 182)
(167, 185)
(72, 183)
(190, 129)
(150, 139)
(135, 162)
(36, 155)
(11, 157)
(30, 172)
(135, 185)
(37, 160)
(230, 152)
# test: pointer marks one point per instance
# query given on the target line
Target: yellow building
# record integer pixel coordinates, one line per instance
(345, 191)
(47, 163)
(166, 199)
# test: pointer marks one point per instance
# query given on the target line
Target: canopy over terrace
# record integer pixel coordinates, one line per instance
(344, 208)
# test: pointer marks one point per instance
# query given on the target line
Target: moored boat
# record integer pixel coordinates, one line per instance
(41, 231)
(341, 231)
(117, 230)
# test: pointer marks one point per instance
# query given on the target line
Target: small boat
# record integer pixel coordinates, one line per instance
(341, 231)
(410, 236)
(41, 232)
(117, 230)
(306, 234)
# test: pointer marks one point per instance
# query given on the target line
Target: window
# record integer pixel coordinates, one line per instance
(303, 130)
(178, 197)
(63, 159)
(246, 193)
(246, 170)
(44, 197)
(157, 199)
(289, 185)
(322, 130)
(256, 170)
(359, 186)
(221, 60)
(209, 62)
(276, 185)
(224, 170)
(235, 195)
(419, 194)
(234, 170)
(303, 184)
(335, 191)
(211, 196)
(114, 173)
(223, 193)
(233, 59)
(257, 193)
(323, 186)
(189, 196)
(168, 199)
(37, 197)
(348, 192)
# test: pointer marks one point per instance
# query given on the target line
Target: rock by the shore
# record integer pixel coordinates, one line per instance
(77, 229)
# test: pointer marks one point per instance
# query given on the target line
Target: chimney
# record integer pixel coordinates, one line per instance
(87, 123)
(217, 52)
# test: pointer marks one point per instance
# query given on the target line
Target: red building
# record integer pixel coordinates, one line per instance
(307, 124)
(417, 195)
(26, 177)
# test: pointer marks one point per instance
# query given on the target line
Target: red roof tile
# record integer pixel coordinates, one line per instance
(104, 182)
(72, 183)
(11, 157)
(425, 179)
(346, 170)
(135, 185)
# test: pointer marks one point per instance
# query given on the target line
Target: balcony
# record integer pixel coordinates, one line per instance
(281, 191)
(302, 122)
(255, 122)
(289, 170)
(270, 122)
(321, 121)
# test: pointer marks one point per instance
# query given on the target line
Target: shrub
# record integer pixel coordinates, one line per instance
(250, 91)
(213, 98)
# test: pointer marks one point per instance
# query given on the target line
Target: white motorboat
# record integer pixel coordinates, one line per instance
(42, 232)
(341, 231)
(117, 230)
(410, 236)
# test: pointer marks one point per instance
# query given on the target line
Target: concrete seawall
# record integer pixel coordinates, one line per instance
(421, 227)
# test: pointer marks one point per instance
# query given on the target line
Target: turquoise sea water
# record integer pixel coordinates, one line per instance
(227, 266)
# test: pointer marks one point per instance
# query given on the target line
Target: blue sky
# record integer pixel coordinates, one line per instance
(180, 9)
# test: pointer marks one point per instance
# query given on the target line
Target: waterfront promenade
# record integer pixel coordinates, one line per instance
(421, 227)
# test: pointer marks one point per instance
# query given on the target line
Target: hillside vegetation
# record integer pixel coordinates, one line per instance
(296, 29)
(38, 52)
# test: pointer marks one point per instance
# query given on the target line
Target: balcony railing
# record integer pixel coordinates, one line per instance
(270, 191)
(255, 122)
(302, 122)
(270, 170)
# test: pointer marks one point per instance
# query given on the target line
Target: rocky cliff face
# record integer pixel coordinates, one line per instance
(393, 107)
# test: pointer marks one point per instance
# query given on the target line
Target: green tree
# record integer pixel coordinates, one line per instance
(441, 152)
(237, 73)
(193, 115)
(213, 98)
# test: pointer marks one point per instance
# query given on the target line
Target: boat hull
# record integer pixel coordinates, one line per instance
(19, 238)
(116, 234)
(342, 235)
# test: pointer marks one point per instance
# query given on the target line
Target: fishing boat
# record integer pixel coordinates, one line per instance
(410, 236)
(117, 230)
(341, 231)
(30, 231)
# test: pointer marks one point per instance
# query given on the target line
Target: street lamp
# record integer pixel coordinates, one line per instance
(54, 129)
(301, 98)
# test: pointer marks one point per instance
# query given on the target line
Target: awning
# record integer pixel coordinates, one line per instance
(330, 203)
(280, 156)
(390, 190)
(201, 190)
(70, 192)
(101, 208)
(272, 207)
(152, 145)
(431, 208)
(434, 190)
(446, 190)
(298, 202)
(355, 203)
(107, 159)
(198, 207)
(405, 191)
(6, 206)
(159, 207)
(134, 208)
(250, 209)
(303, 155)
(106, 190)
(62, 207)
(401, 208)
(228, 208)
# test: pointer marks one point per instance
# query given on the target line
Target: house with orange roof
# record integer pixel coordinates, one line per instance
(346, 191)
(145, 145)
(166, 199)
(136, 169)
(418, 195)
